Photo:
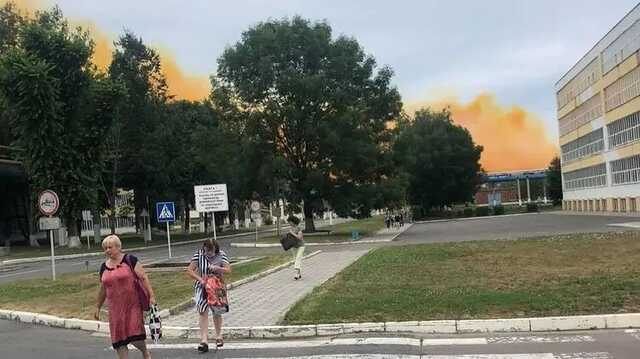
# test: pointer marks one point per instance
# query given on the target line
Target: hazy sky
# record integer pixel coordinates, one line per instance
(513, 49)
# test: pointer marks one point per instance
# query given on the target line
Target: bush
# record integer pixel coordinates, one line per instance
(532, 207)
(498, 210)
(268, 221)
(468, 212)
(482, 211)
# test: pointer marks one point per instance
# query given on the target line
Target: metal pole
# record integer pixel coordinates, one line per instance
(169, 239)
(519, 196)
(53, 256)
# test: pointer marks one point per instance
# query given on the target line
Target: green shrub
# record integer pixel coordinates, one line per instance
(468, 212)
(482, 211)
(532, 207)
(498, 210)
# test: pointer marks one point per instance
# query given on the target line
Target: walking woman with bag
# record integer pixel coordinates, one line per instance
(296, 232)
(208, 267)
(122, 278)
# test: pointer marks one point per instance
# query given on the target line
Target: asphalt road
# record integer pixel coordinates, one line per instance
(29, 341)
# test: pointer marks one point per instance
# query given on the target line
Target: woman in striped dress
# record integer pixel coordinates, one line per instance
(208, 261)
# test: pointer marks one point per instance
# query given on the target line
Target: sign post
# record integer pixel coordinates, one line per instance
(211, 198)
(166, 212)
(49, 203)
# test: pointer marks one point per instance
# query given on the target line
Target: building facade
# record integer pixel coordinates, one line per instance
(598, 103)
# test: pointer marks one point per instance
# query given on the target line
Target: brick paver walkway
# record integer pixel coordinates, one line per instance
(266, 300)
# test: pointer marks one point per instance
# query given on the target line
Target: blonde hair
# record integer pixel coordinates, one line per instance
(113, 240)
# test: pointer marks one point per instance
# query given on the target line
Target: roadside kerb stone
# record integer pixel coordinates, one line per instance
(188, 303)
(581, 322)
(329, 329)
(349, 328)
(277, 331)
(621, 321)
(493, 325)
(589, 322)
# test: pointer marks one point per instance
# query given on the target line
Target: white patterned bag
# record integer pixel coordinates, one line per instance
(155, 325)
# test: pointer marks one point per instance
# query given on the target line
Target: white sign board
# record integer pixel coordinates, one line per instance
(49, 223)
(211, 198)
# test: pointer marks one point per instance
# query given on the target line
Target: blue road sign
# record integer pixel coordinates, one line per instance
(165, 212)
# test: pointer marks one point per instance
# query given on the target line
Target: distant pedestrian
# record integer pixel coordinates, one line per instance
(118, 276)
(296, 232)
(387, 221)
(208, 267)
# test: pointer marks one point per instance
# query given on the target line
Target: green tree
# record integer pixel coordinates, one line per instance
(10, 22)
(440, 160)
(554, 180)
(132, 163)
(61, 110)
(321, 106)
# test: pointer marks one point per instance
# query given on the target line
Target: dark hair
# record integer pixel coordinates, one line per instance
(293, 219)
(211, 244)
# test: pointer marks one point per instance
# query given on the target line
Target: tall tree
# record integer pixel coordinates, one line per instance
(440, 159)
(61, 110)
(10, 22)
(131, 158)
(554, 180)
(320, 104)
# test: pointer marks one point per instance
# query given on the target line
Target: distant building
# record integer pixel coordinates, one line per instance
(599, 121)
(516, 187)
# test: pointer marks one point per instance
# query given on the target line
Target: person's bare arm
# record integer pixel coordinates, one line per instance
(102, 295)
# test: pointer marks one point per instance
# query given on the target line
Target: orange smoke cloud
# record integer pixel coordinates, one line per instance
(513, 139)
(181, 85)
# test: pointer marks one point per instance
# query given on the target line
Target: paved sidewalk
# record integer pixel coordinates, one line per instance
(266, 300)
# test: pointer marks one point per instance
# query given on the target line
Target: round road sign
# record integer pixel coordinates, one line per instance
(48, 202)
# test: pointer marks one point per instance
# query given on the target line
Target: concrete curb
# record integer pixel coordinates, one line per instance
(543, 324)
(136, 249)
(188, 303)
(475, 218)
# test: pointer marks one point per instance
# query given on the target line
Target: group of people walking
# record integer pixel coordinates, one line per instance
(122, 278)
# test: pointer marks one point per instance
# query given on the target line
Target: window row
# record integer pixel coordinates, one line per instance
(624, 46)
(624, 130)
(587, 77)
(625, 170)
(583, 114)
(623, 90)
(586, 145)
(589, 177)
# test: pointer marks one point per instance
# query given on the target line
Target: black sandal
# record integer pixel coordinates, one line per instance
(203, 347)
(219, 342)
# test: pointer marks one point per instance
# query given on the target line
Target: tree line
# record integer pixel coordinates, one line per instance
(294, 113)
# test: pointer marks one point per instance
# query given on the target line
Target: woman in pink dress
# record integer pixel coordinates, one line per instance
(117, 285)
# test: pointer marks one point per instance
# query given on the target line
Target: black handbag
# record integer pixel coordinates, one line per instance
(288, 241)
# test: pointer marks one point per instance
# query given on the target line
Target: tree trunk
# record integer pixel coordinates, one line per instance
(97, 226)
(206, 222)
(309, 226)
(187, 220)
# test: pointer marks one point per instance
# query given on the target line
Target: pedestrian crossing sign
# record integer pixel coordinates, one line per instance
(165, 212)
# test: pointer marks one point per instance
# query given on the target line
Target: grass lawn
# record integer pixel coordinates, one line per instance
(339, 232)
(557, 275)
(74, 295)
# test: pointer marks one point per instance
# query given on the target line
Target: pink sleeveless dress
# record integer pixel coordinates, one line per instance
(126, 321)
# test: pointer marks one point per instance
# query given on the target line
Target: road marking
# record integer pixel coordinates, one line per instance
(542, 339)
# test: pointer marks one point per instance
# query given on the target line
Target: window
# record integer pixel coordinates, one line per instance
(624, 130)
(624, 46)
(581, 115)
(625, 170)
(583, 146)
(623, 90)
(588, 177)
(579, 84)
